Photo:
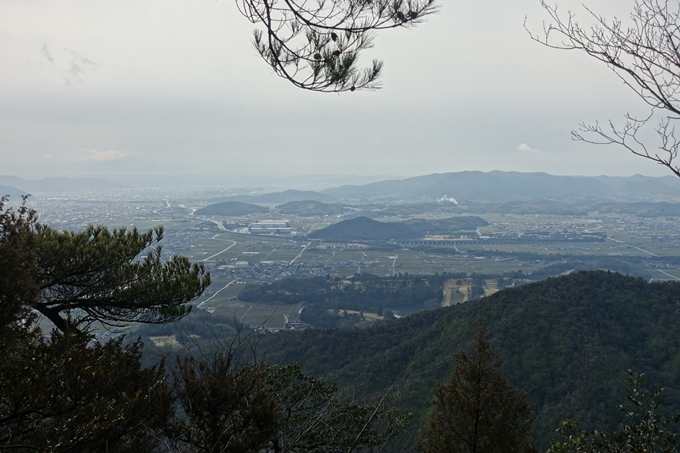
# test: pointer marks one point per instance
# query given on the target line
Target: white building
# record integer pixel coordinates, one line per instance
(278, 227)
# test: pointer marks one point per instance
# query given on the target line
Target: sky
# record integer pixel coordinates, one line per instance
(175, 86)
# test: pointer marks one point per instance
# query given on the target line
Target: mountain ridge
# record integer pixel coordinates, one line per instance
(566, 341)
(509, 186)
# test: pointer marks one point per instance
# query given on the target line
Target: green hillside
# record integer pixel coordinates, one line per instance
(365, 229)
(232, 208)
(566, 341)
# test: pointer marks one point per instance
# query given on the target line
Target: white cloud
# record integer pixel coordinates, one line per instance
(101, 156)
(526, 148)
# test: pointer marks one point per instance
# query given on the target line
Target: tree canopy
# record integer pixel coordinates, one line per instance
(315, 44)
(97, 275)
(477, 411)
(644, 429)
(94, 275)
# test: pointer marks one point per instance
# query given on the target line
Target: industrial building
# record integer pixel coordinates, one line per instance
(271, 227)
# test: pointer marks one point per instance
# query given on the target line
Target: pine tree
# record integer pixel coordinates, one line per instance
(477, 411)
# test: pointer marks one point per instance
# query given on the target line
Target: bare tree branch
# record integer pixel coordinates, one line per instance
(315, 44)
(645, 55)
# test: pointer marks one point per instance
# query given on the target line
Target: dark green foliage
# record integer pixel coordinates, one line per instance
(643, 429)
(324, 316)
(364, 290)
(197, 323)
(363, 229)
(232, 209)
(565, 341)
(18, 287)
(67, 393)
(446, 226)
(315, 418)
(230, 406)
(96, 275)
(476, 291)
(476, 411)
(72, 393)
(324, 298)
(227, 407)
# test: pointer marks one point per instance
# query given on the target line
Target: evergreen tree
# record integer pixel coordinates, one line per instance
(97, 275)
(229, 406)
(18, 287)
(477, 411)
(66, 392)
(643, 431)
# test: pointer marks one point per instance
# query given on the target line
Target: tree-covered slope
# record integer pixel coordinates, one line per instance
(365, 229)
(566, 341)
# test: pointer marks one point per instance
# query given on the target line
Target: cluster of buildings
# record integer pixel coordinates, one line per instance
(271, 227)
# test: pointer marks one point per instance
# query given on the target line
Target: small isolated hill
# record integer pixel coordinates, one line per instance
(566, 341)
(309, 208)
(284, 197)
(366, 229)
(232, 208)
(362, 229)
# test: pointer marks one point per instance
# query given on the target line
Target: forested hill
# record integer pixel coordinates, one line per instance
(365, 229)
(566, 341)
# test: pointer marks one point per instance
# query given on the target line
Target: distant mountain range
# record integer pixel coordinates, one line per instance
(365, 229)
(466, 186)
(58, 184)
(509, 186)
(282, 197)
(232, 208)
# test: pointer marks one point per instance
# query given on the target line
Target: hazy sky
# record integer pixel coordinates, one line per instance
(175, 85)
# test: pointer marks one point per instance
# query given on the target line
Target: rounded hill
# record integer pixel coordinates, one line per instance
(366, 229)
(362, 229)
(232, 208)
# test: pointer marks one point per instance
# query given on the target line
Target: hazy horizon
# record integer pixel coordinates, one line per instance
(175, 87)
